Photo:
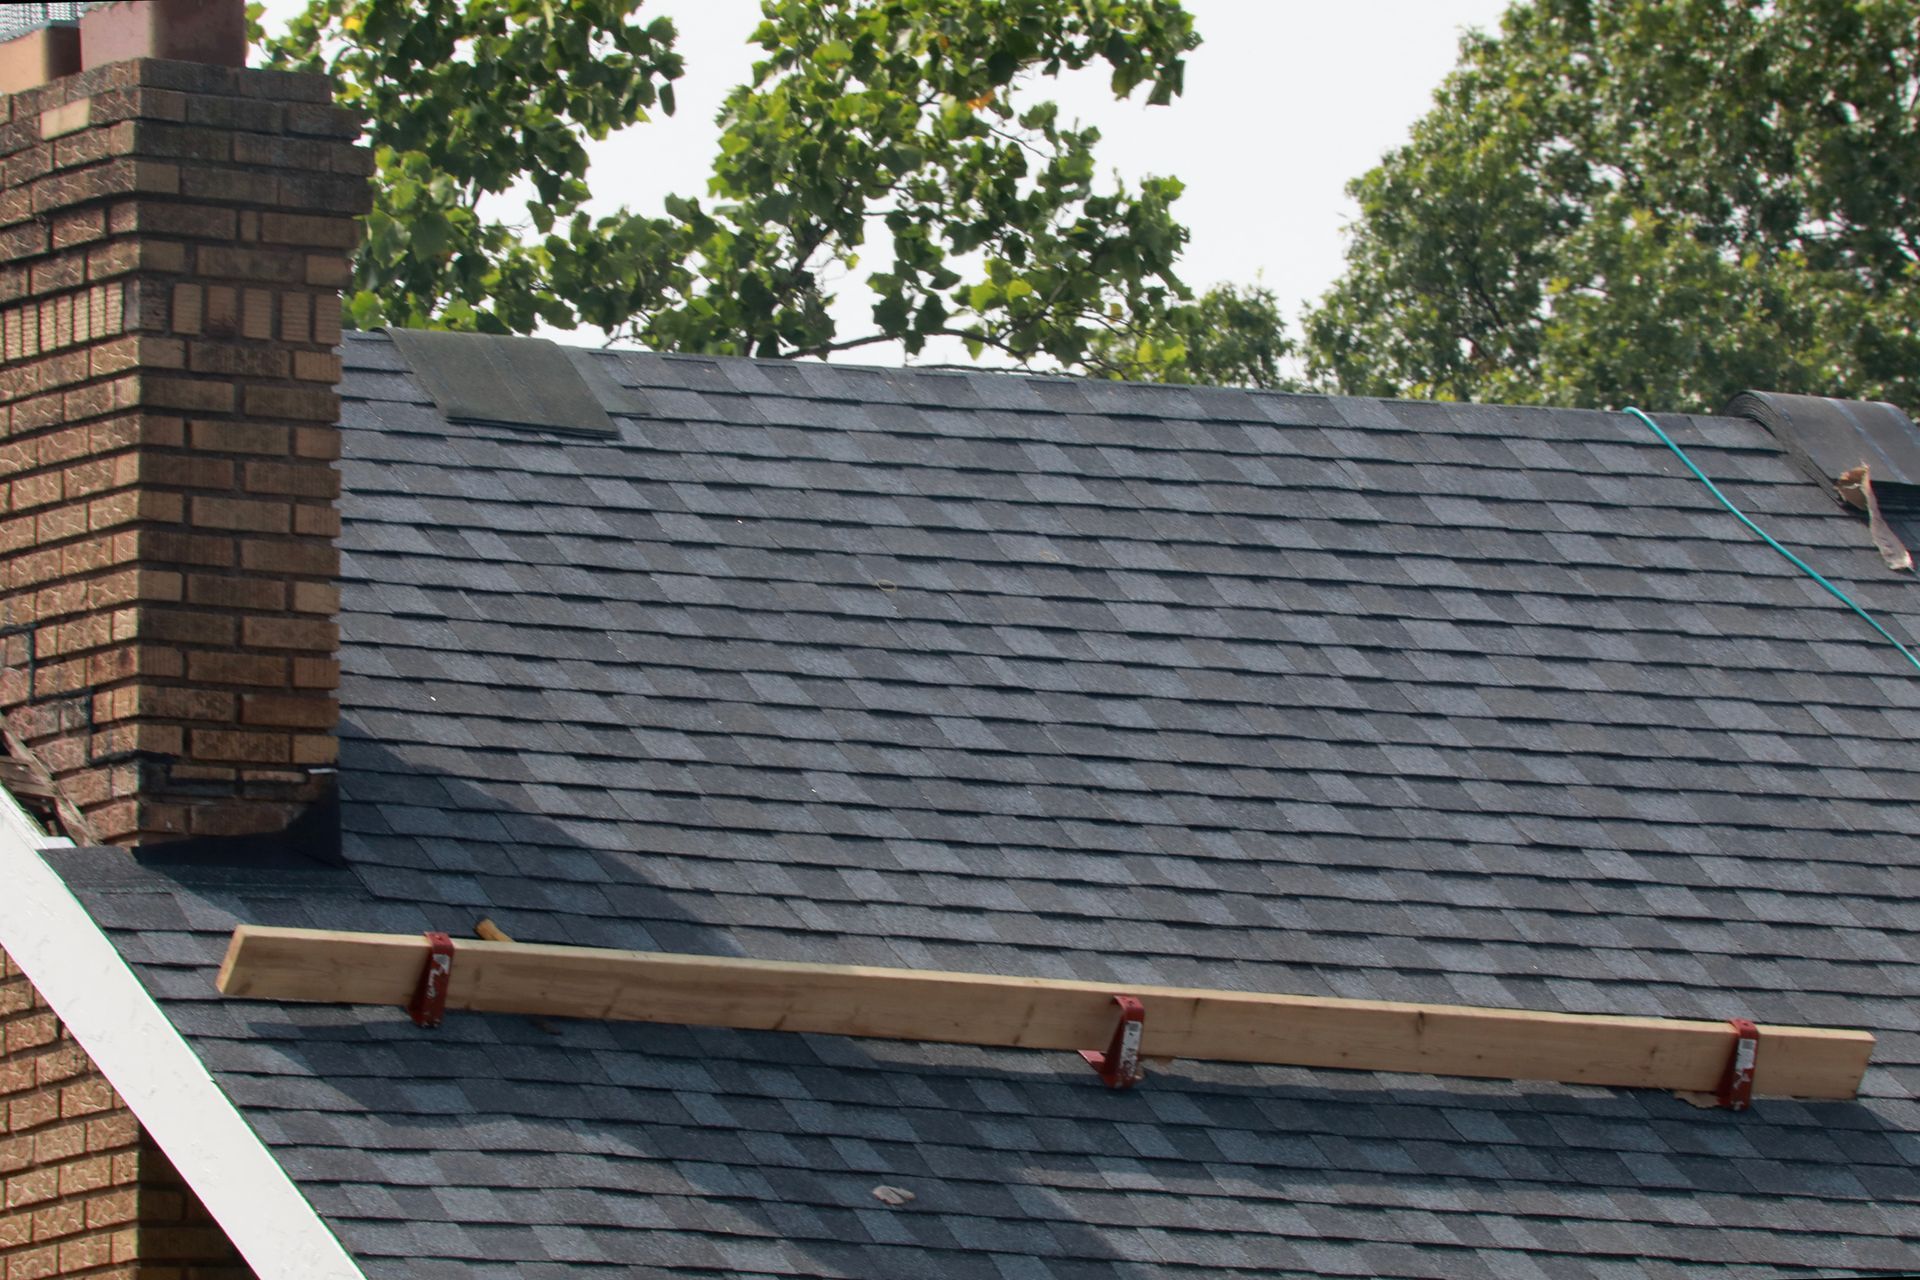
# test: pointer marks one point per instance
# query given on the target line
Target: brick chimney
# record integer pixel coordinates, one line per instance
(173, 237)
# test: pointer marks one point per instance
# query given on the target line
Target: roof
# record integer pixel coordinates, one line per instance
(1033, 676)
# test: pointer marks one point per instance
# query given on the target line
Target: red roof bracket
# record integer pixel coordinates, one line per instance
(1120, 1065)
(429, 1005)
(1736, 1086)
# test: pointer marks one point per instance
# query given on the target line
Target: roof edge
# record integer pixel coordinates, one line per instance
(143, 1056)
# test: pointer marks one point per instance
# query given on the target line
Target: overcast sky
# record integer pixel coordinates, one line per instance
(1285, 102)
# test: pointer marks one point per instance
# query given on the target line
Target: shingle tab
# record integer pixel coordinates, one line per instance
(965, 670)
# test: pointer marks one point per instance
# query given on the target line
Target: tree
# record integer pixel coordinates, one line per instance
(465, 99)
(1662, 201)
(905, 123)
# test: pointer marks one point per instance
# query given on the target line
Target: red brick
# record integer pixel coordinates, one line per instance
(328, 270)
(315, 749)
(318, 521)
(317, 442)
(259, 266)
(87, 1097)
(30, 1111)
(292, 402)
(281, 153)
(240, 437)
(296, 317)
(183, 1242)
(235, 360)
(114, 1208)
(259, 594)
(316, 673)
(78, 227)
(306, 557)
(256, 314)
(188, 308)
(222, 310)
(17, 1074)
(238, 668)
(289, 633)
(177, 547)
(316, 597)
(61, 1218)
(33, 1264)
(82, 1255)
(240, 746)
(111, 1132)
(62, 1142)
(60, 1065)
(163, 702)
(313, 232)
(165, 1206)
(42, 1028)
(135, 505)
(305, 480)
(291, 711)
(192, 395)
(242, 514)
(121, 257)
(34, 1186)
(126, 1248)
(177, 626)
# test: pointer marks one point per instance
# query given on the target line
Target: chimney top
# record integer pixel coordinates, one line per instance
(41, 42)
(184, 30)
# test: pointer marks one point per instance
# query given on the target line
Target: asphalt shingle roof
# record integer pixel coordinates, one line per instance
(1031, 676)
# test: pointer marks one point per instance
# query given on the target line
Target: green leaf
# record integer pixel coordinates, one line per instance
(922, 119)
(1653, 203)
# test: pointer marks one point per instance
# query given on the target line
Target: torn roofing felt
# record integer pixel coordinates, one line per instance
(1830, 437)
(1446, 703)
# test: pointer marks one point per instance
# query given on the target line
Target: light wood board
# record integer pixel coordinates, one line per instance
(1038, 1013)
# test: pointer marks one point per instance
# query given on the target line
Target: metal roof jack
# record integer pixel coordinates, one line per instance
(1120, 1065)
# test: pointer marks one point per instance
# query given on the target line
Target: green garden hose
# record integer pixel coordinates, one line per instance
(1766, 537)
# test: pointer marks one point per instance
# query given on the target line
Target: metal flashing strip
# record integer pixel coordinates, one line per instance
(91, 989)
(501, 381)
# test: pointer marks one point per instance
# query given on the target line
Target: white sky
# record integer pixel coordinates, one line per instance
(1285, 102)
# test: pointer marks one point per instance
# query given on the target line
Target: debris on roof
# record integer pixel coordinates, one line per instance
(1856, 490)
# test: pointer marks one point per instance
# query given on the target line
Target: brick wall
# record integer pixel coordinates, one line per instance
(83, 1190)
(172, 240)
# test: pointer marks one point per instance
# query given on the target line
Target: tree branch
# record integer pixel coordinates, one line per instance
(848, 344)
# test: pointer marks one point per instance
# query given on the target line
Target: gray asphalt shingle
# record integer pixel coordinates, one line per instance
(969, 670)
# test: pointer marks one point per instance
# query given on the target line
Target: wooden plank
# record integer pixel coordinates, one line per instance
(71, 820)
(1038, 1013)
(19, 779)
